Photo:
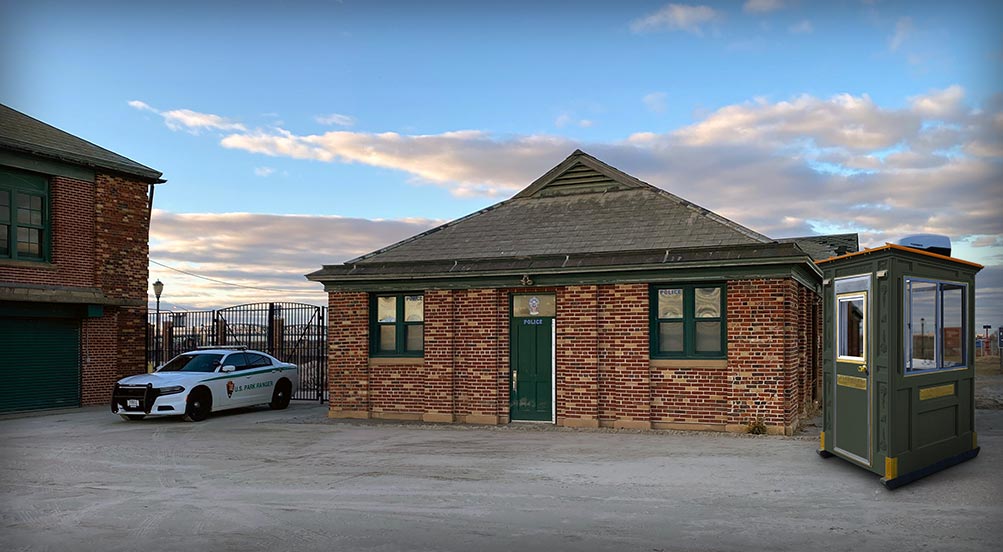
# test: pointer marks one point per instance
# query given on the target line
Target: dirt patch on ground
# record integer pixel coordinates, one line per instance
(988, 383)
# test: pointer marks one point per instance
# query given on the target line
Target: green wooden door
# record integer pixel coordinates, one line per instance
(532, 362)
(39, 363)
(852, 393)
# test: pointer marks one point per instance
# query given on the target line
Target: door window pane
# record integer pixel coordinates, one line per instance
(670, 303)
(415, 337)
(953, 311)
(534, 305)
(386, 309)
(4, 206)
(923, 324)
(414, 308)
(670, 337)
(4, 240)
(708, 337)
(708, 302)
(851, 327)
(388, 338)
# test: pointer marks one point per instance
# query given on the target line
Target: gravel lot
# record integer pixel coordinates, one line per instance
(294, 480)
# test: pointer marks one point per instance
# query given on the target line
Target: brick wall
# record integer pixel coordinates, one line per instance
(604, 374)
(348, 354)
(100, 239)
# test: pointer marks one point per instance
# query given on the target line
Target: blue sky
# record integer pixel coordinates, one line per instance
(299, 133)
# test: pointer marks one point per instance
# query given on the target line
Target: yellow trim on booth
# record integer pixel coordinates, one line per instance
(936, 392)
(821, 441)
(891, 467)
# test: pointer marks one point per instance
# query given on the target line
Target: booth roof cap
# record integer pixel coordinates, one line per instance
(895, 246)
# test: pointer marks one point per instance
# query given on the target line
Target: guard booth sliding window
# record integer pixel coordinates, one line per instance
(936, 331)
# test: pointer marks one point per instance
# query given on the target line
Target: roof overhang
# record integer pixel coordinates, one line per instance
(747, 261)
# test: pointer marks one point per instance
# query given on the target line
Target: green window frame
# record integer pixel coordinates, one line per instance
(689, 321)
(25, 232)
(397, 324)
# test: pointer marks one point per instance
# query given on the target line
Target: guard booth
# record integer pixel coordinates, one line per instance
(899, 367)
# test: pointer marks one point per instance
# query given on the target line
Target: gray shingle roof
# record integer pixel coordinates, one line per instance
(581, 206)
(826, 246)
(22, 133)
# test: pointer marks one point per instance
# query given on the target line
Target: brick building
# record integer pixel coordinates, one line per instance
(588, 299)
(74, 244)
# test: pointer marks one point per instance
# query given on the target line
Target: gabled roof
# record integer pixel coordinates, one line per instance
(826, 246)
(21, 133)
(581, 206)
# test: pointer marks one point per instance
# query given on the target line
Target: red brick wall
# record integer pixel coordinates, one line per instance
(578, 357)
(624, 374)
(604, 373)
(100, 239)
(348, 353)
(478, 355)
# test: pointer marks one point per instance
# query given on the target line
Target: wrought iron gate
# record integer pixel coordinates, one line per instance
(291, 332)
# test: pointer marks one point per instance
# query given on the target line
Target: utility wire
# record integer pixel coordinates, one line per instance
(225, 283)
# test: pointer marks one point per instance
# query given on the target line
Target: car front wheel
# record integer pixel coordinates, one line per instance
(199, 405)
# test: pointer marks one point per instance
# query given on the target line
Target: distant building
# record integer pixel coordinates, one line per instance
(74, 234)
(588, 299)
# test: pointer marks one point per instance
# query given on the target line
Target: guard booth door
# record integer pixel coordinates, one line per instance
(852, 388)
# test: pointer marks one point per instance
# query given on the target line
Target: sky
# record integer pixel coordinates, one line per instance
(297, 134)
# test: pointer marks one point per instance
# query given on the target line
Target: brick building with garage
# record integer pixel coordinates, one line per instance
(74, 245)
(588, 299)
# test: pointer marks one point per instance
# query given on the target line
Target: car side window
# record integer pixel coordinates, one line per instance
(256, 360)
(238, 361)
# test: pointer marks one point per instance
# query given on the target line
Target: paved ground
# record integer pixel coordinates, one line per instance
(86, 480)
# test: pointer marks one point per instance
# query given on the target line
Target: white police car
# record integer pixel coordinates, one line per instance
(207, 380)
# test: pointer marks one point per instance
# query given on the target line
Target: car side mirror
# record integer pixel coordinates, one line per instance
(227, 369)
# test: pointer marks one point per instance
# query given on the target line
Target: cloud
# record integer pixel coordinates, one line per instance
(467, 161)
(336, 119)
(801, 27)
(191, 121)
(785, 167)
(270, 252)
(903, 29)
(264, 171)
(762, 6)
(677, 17)
(656, 102)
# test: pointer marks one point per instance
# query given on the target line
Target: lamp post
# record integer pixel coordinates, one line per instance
(158, 288)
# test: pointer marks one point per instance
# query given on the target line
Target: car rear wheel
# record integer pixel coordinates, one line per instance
(199, 405)
(281, 395)
(132, 417)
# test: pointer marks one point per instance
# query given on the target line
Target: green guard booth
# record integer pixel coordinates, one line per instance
(899, 370)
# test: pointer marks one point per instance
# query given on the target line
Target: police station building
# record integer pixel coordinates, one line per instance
(588, 299)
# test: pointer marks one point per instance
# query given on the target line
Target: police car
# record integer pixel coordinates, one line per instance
(206, 380)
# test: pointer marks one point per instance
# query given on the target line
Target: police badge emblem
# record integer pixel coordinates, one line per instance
(534, 306)
(229, 389)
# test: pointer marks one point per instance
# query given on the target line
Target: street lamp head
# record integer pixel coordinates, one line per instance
(158, 288)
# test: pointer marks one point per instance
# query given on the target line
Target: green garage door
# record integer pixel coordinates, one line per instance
(39, 363)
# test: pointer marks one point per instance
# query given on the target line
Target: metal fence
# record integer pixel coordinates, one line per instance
(291, 332)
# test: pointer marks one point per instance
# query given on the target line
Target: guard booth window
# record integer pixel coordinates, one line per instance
(936, 331)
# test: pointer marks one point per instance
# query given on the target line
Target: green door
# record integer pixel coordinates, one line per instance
(852, 393)
(39, 363)
(532, 358)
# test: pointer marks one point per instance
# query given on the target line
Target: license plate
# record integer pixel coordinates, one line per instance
(132, 403)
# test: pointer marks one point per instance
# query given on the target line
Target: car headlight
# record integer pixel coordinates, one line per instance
(172, 390)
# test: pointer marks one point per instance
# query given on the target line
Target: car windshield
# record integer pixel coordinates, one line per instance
(192, 363)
